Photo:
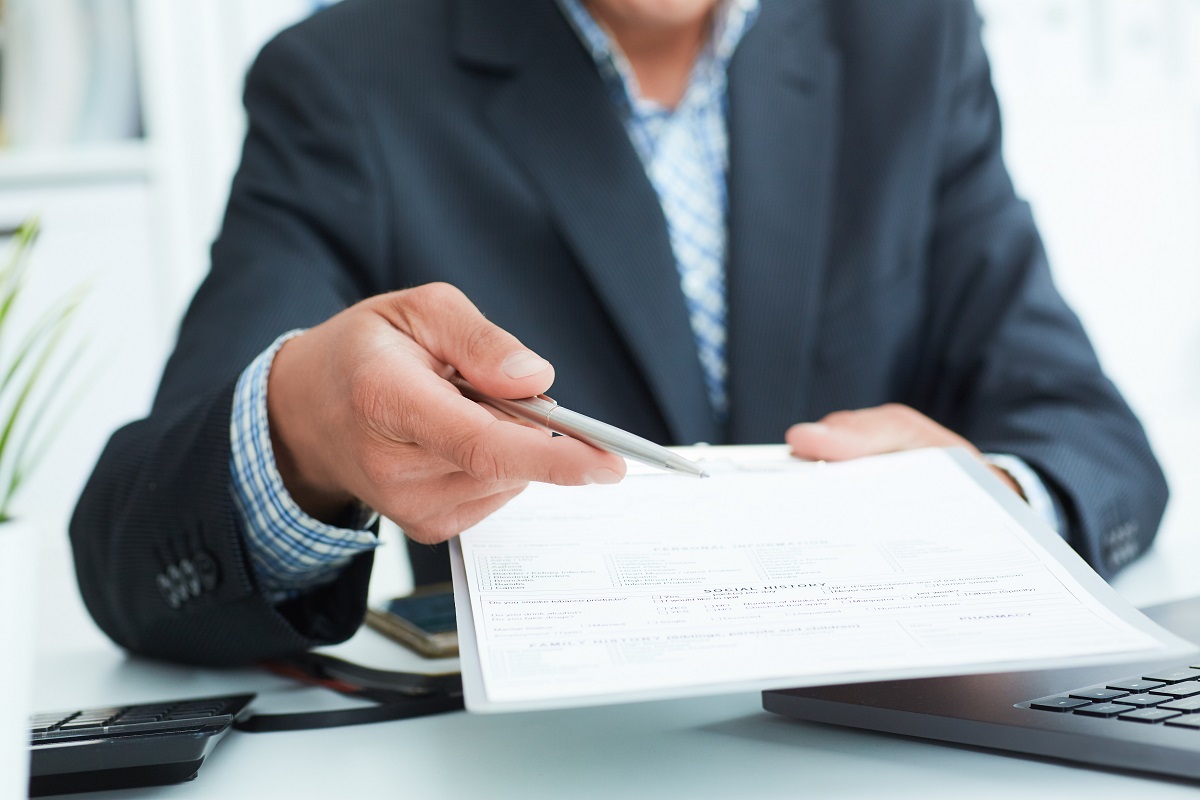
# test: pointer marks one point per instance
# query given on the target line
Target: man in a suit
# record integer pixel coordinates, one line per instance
(732, 221)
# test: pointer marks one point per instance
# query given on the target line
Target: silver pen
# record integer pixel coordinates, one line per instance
(549, 414)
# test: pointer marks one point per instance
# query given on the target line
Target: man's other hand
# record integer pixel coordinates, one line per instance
(360, 409)
(843, 435)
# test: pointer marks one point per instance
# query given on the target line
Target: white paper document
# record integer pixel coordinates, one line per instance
(773, 573)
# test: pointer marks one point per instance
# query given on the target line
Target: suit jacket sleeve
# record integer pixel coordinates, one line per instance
(1007, 363)
(160, 559)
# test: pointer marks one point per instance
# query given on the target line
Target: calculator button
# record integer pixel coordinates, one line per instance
(81, 725)
(1179, 690)
(1188, 705)
(1099, 693)
(1174, 676)
(189, 715)
(1101, 710)
(141, 711)
(209, 707)
(1192, 721)
(51, 718)
(105, 713)
(1141, 700)
(1059, 703)
(1150, 715)
(1135, 685)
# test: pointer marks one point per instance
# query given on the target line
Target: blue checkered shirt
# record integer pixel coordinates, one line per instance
(290, 550)
(685, 153)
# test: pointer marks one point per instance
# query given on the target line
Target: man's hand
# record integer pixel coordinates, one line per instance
(360, 409)
(844, 435)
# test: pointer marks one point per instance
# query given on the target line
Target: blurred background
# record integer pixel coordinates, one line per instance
(121, 126)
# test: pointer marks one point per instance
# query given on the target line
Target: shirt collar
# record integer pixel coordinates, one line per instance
(731, 20)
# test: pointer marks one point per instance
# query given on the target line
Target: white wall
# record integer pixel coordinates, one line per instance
(1101, 103)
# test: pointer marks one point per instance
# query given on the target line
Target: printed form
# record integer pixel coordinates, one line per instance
(773, 573)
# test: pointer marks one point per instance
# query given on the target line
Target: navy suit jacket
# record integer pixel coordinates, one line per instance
(877, 253)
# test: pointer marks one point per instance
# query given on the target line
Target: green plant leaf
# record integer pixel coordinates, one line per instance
(12, 276)
(23, 421)
(26, 457)
(48, 324)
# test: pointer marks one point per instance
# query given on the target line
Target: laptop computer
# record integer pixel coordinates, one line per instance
(1139, 716)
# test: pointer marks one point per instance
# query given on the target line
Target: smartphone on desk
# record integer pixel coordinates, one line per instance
(422, 621)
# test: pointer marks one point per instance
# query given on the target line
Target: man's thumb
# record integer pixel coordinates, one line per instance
(440, 318)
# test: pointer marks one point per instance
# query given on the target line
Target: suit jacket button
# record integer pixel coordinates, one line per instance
(177, 580)
(206, 570)
(190, 577)
(166, 587)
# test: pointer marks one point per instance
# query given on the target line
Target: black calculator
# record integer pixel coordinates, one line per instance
(121, 747)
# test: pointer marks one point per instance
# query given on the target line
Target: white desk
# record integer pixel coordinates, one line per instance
(718, 747)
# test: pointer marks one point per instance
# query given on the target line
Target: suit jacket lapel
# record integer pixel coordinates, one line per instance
(783, 100)
(554, 114)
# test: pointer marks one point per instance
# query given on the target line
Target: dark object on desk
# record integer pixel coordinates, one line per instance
(1142, 716)
(122, 747)
(423, 621)
(397, 695)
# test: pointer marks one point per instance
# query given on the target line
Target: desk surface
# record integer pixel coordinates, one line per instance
(715, 747)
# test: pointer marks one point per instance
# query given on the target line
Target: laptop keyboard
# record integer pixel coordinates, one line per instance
(1170, 696)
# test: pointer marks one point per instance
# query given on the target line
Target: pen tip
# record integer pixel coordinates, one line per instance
(704, 474)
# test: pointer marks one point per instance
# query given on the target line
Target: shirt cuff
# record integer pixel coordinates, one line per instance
(290, 551)
(1040, 499)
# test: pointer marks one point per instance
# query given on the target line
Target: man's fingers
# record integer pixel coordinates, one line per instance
(442, 320)
(884, 429)
(464, 433)
(506, 451)
(449, 491)
(817, 441)
(870, 431)
(457, 520)
(424, 505)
